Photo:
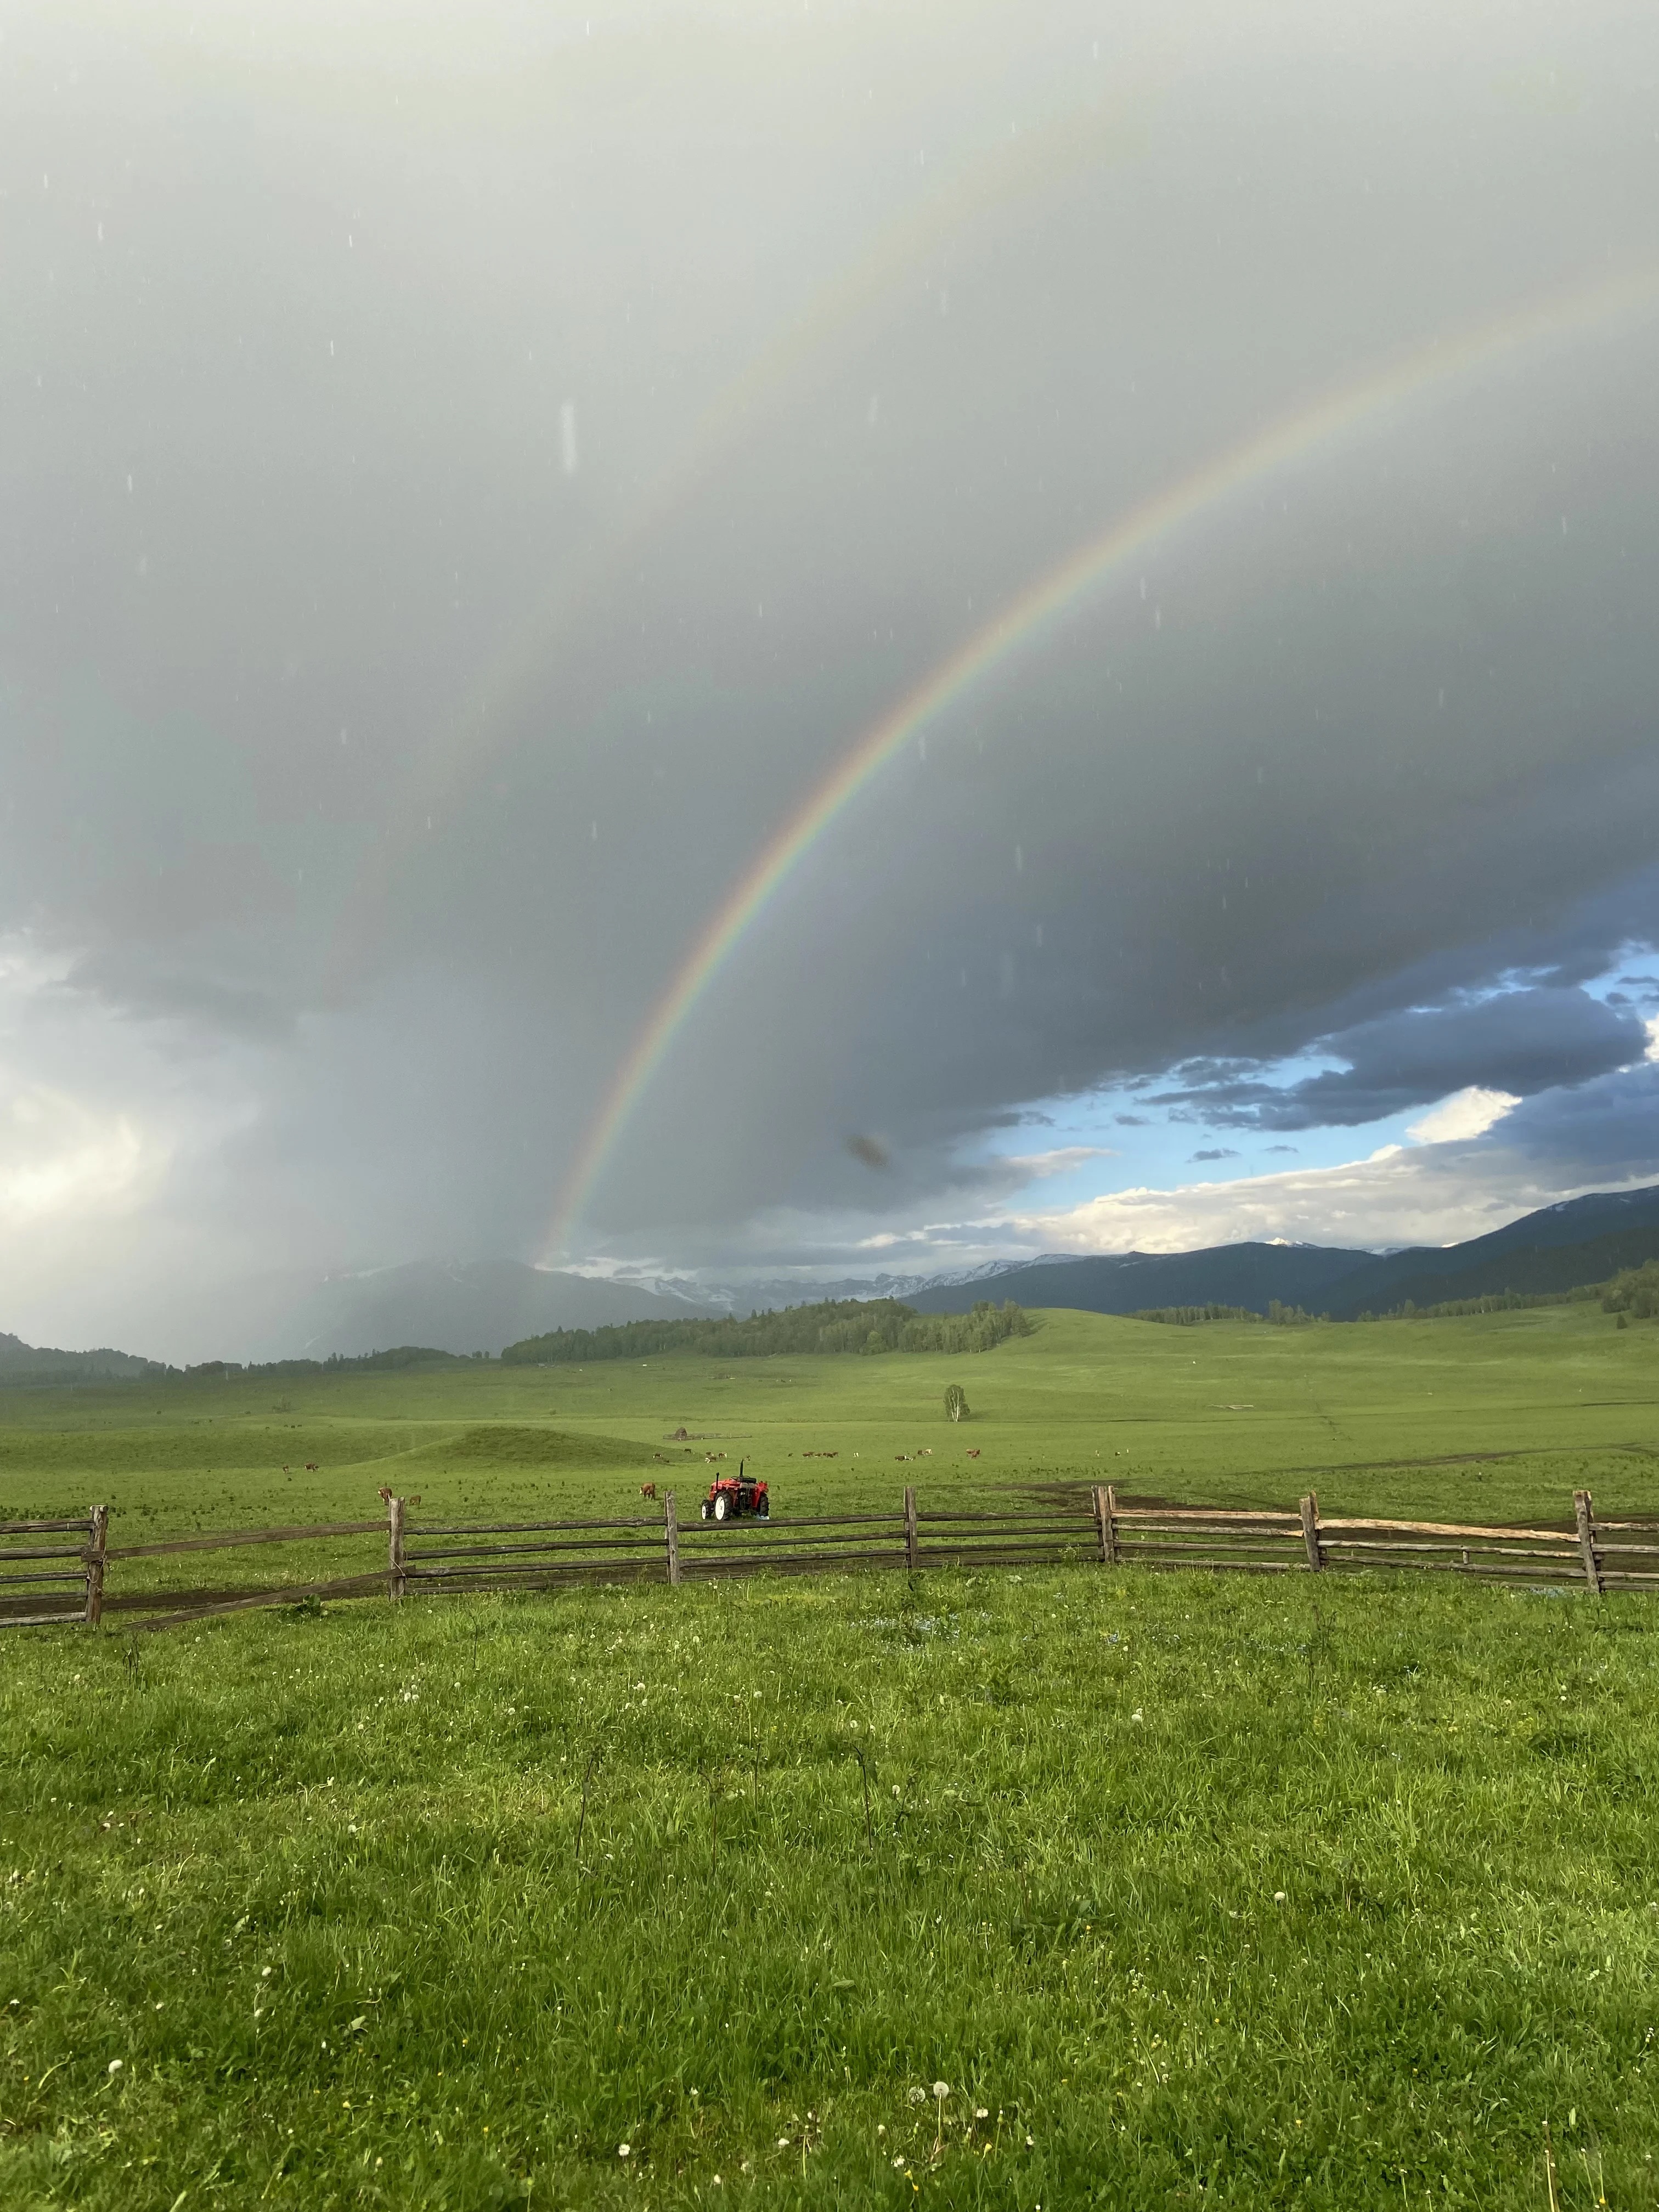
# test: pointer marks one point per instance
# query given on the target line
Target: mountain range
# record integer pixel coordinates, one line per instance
(463, 1306)
(23, 1364)
(1581, 1240)
(484, 1305)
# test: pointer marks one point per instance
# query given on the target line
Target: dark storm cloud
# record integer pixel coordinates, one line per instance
(1607, 1132)
(1519, 1042)
(469, 480)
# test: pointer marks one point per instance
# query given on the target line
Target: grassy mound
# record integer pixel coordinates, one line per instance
(504, 1444)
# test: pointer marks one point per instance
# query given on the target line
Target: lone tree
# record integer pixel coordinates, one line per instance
(956, 1402)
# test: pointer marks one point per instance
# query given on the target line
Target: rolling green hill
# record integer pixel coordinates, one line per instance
(1486, 1416)
(1055, 1887)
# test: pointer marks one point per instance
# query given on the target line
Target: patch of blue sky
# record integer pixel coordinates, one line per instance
(1632, 980)
(1129, 1144)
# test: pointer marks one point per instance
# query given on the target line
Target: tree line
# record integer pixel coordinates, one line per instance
(865, 1326)
(1277, 1316)
(1634, 1293)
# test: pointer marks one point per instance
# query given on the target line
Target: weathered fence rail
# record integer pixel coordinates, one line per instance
(54, 1572)
(36, 1577)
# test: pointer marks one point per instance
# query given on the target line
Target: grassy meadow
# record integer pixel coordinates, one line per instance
(1062, 1889)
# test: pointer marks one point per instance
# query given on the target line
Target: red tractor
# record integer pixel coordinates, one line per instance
(731, 1497)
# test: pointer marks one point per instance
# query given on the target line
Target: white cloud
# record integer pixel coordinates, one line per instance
(62, 1160)
(1467, 1113)
(1431, 1195)
(1037, 1166)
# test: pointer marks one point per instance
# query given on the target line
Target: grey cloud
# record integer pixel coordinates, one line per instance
(304, 736)
(1220, 1152)
(1519, 1042)
(1604, 1132)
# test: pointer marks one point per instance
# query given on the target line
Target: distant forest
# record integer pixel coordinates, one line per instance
(337, 1363)
(1635, 1291)
(1280, 1317)
(860, 1325)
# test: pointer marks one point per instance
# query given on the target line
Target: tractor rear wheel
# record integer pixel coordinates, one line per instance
(722, 1506)
(763, 1510)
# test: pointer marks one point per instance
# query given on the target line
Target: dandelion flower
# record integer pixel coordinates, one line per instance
(116, 2064)
(980, 2112)
(1279, 1897)
(783, 2142)
(941, 2090)
(622, 2149)
(917, 2096)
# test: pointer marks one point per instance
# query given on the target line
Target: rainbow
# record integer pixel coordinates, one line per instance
(1081, 134)
(1031, 615)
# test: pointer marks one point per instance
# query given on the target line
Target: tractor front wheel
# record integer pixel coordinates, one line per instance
(704, 1508)
(722, 1506)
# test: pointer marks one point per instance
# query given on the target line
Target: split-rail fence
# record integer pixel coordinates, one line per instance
(56, 1573)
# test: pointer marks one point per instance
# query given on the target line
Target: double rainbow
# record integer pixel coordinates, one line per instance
(1030, 616)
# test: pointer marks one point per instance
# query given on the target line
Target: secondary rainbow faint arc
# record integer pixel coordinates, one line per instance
(1024, 618)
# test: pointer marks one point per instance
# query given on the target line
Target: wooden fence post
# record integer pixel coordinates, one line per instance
(670, 1521)
(1106, 1524)
(1309, 1508)
(1584, 1515)
(912, 1540)
(96, 1547)
(394, 1521)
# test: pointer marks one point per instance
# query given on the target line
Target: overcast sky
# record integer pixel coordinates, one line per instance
(470, 475)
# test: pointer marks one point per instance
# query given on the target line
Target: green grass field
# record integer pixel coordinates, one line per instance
(1191, 1890)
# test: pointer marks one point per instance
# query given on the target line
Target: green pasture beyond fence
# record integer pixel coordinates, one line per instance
(55, 1573)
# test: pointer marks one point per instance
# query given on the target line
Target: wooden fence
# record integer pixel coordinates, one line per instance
(53, 1572)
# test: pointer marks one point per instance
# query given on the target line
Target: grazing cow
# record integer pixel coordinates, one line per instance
(647, 1490)
(679, 1437)
(974, 1454)
(311, 1466)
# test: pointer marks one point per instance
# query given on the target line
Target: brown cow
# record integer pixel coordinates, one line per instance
(647, 1490)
